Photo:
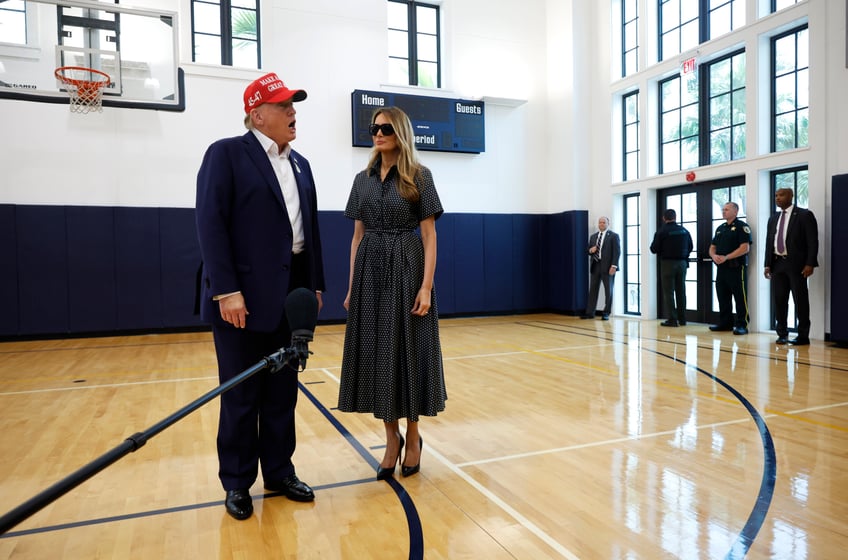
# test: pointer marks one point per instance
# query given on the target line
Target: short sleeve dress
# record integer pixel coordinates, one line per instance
(392, 363)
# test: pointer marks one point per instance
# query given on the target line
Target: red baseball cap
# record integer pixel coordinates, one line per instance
(269, 89)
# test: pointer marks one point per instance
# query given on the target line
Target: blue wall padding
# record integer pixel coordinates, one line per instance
(445, 264)
(138, 275)
(42, 253)
(566, 265)
(91, 268)
(336, 234)
(180, 263)
(78, 270)
(528, 291)
(469, 264)
(8, 271)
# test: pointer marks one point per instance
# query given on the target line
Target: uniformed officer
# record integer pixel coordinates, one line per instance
(729, 251)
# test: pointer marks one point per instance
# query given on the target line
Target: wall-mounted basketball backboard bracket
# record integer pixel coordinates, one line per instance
(137, 48)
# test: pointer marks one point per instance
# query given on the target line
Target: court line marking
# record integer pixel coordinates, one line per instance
(594, 444)
(109, 385)
(491, 496)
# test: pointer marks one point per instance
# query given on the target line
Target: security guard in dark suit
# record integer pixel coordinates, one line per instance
(729, 251)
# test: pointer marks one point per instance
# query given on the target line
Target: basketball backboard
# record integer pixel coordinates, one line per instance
(137, 48)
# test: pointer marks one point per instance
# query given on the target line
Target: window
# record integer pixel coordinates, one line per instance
(795, 179)
(679, 27)
(632, 255)
(694, 135)
(790, 90)
(727, 108)
(679, 123)
(685, 24)
(226, 32)
(725, 16)
(630, 121)
(13, 22)
(777, 5)
(629, 37)
(414, 55)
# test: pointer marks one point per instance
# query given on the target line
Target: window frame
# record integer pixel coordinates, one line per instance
(625, 24)
(706, 91)
(632, 277)
(703, 22)
(681, 140)
(226, 36)
(626, 150)
(773, 81)
(25, 14)
(412, 34)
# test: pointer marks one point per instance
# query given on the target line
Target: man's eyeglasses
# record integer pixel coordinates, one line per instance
(386, 129)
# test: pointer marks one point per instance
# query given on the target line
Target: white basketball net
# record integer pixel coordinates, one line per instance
(85, 89)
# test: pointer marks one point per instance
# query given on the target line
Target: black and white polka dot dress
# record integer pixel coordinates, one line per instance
(392, 364)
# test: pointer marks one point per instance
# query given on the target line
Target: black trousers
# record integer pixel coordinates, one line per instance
(732, 285)
(673, 277)
(600, 276)
(786, 279)
(256, 425)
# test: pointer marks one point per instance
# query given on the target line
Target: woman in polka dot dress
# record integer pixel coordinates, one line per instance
(392, 364)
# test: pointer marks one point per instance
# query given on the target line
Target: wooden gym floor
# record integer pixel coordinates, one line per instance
(562, 439)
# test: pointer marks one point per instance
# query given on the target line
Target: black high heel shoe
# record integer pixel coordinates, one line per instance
(388, 472)
(409, 471)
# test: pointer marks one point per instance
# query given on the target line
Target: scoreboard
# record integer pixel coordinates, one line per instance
(439, 124)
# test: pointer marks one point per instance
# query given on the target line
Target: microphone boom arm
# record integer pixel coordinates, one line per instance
(275, 362)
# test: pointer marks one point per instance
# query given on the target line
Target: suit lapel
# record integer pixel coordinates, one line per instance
(263, 165)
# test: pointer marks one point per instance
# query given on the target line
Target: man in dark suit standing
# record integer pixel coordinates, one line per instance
(257, 223)
(604, 249)
(792, 247)
(673, 244)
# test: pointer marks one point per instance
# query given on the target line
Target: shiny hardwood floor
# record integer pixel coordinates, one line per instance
(562, 439)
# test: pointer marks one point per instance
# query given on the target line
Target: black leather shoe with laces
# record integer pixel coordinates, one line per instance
(292, 488)
(239, 504)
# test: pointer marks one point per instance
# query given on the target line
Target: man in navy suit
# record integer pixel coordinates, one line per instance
(257, 223)
(792, 247)
(604, 249)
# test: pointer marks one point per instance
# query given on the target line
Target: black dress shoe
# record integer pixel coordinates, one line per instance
(682, 323)
(740, 330)
(292, 488)
(800, 341)
(719, 328)
(239, 504)
(409, 471)
(781, 340)
(605, 317)
(669, 323)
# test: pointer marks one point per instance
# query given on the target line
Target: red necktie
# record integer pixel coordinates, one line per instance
(781, 245)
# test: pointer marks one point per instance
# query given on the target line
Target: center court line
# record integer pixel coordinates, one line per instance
(594, 444)
(509, 510)
(109, 385)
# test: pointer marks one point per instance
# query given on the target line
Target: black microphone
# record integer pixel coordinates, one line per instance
(302, 315)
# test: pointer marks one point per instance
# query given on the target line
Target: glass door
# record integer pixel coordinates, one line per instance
(698, 208)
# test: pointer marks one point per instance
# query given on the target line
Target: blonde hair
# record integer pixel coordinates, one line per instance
(407, 165)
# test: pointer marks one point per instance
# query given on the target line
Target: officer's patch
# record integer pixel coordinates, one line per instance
(746, 229)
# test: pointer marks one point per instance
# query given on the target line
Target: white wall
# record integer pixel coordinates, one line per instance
(544, 66)
(147, 158)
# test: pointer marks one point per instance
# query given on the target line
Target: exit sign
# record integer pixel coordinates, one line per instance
(689, 65)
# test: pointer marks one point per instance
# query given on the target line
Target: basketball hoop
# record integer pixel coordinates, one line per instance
(85, 87)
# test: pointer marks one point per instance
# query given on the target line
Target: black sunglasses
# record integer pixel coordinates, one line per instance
(386, 129)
